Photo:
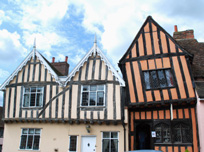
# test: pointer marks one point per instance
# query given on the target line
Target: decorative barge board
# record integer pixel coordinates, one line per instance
(88, 101)
(160, 93)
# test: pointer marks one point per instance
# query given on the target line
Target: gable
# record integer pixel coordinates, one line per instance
(33, 68)
(94, 69)
(95, 66)
(152, 40)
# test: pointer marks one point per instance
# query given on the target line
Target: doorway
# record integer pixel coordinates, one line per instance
(143, 136)
(88, 143)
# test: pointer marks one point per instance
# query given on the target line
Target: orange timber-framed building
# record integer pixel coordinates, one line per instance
(160, 92)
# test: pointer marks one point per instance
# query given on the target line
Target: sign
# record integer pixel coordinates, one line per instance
(153, 134)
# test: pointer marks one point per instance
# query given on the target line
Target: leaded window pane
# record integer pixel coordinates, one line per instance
(73, 142)
(147, 80)
(100, 96)
(114, 145)
(26, 100)
(85, 88)
(106, 135)
(23, 141)
(37, 131)
(85, 96)
(114, 135)
(31, 131)
(154, 81)
(92, 88)
(39, 100)
(32, 100)
(162, 80)
(169, 78)
(36, 142)
(33, 89)
(27, 89)
(92, 98)
(100, 87)
(106, 145)
(29, 142)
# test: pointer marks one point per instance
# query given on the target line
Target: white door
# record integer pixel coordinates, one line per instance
(88, 144)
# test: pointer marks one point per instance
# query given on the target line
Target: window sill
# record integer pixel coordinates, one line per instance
(28, 150)
(92, 108)
(32, 108)
(159, 88)
(173, 143)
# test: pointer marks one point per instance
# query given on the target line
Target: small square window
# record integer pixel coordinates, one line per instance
(33, 97)
(30, 139)
(93, 97)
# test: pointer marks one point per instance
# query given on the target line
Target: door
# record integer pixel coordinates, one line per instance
(88, 144)
(143, 136)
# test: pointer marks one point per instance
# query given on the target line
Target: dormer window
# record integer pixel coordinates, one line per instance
(33, 97)
(155, 79)
(93, 95)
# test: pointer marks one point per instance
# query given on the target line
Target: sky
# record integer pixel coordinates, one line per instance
(67, 27)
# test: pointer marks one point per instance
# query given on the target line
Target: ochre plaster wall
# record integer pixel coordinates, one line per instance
(56, 136)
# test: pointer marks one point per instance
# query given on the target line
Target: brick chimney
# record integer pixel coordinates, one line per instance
(62, 67)
(179, 35)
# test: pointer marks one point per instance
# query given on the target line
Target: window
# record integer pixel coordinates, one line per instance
(158, 79)
(33, 97)
(93, 95)
(30, 139)
(110, 142)
(72, 143)
(163, 133)
(182, 133)
(1, 132)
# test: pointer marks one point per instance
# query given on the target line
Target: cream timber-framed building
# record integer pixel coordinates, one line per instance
(45, 110)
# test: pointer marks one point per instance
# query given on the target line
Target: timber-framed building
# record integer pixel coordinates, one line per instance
(160, 92)
(48, 109)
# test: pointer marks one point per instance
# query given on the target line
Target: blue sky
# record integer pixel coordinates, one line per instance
(67, 27)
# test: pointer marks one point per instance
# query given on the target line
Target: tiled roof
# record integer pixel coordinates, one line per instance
(197, 49)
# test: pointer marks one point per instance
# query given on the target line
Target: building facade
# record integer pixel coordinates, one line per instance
(187, 40)
(160, 92)
(47, 110)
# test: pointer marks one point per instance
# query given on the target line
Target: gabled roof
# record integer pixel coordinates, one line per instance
(150, 20)
(33, 53)
(95, 50)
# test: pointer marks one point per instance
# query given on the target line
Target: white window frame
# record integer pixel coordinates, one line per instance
(109, 139)
(76, 143)
(104, 101)
(30, 95)
(27, 138)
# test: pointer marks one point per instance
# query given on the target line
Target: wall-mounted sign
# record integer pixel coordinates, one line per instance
(153, 134)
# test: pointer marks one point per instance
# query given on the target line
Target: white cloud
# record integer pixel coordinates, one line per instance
(4, 73)
(11, 47)
(121, 20)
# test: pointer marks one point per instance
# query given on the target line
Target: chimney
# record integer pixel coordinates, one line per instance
(182, 35)
(66, 58)
(53, 59)
(61, 67)
(175, 28)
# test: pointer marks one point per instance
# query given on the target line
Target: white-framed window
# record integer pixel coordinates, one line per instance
(72, 143)
(109, 141)
(93, 95)
(30, 139)
(33, 97)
